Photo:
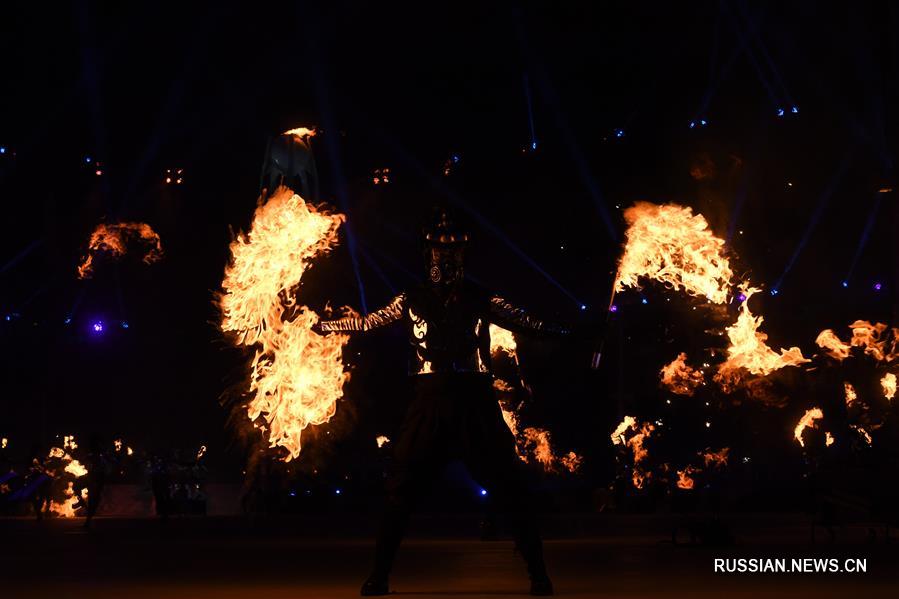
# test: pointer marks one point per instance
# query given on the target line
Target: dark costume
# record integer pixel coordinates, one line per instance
(454, 413)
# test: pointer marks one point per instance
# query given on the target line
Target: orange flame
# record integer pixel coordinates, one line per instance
(748, 350)
(865, 435)
(381, 440)
(303, 133)
(716, 458)
(851, 395)
(635, 444)
(684, 479)
(807, 420)
(670, 244)
(829, 340)
(888, 382)
(297, 375)
(680, 378)
(66, 509)
(114, 238)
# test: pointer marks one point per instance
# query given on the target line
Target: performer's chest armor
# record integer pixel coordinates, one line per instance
(449, 336)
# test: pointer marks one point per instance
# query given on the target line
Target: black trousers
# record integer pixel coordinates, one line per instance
(456, 417)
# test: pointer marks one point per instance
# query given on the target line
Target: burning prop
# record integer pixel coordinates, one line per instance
(297, 375)
(114, 240)
(531, 443)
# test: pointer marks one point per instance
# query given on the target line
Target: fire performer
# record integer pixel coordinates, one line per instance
(454, 413)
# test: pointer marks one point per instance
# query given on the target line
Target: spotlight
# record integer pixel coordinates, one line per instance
(619, 132)
(780, 112)
(774, 292)
(703, 122)
(583, 307)
(878, 286)
(124, 324)
(644, 301)
(2, 150)
(68, 320)
(692, 124)
(795, 110)
(87, 159)
(97, 326)
(456, 157)
(8, 318)
(845, 284)
(533, 145)
(483, 492)
(741, 298)
(337, 491)
(613, 308)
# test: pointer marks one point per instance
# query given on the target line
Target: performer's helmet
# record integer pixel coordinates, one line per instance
(444, 245)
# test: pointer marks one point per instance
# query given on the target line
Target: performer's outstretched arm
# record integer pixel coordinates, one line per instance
(518, 320)
(386, 315)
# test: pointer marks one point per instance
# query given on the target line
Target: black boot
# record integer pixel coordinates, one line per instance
(541, 585)
(375, 585)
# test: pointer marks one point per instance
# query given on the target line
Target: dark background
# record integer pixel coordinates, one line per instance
(142, 87)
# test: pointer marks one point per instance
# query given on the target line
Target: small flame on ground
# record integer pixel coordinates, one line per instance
(381, 440)
(302, 132)
(716, 458)
(684, 479)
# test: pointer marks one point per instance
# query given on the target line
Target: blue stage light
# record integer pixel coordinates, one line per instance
(124, 324)
(878, 286)
(8, 318)
(845, 283)
(68, 320)
(692, 124)
(583, 306)
(337, 491)
(644, 301)
(533, 145)
(795, 110)
(613, 308)
(703, 122)
(2, 150)
(483, 492)
(455, 158)
(741, 298)
(87, 159)
(780, 112)
(619, 132)
(98, 326)
(774, 292)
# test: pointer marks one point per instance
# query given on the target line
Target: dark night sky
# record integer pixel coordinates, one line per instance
(142, 88)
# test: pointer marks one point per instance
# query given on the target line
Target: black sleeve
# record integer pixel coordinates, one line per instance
(518, 320)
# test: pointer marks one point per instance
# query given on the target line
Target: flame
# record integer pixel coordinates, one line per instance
(670, 244)
(114, 238)
(129, 451)
(297, 375)
(716, 458)
(828, 340)
(635, 444)
(888, 382)
(502, 340)
(76, 469)
(381, 440)
(807, 420)
(65, 509)
(201, 452)
(4, 441)
(748, 350)
(851, 395)
(862, 432)
(303, 133)
(680, 378)
(117, 444)
(684, 480)
(68, 442)
(828, 439)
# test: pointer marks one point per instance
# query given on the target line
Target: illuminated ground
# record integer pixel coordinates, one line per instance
(227, 558)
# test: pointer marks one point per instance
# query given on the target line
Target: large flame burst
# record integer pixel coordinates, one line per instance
(670, 244)
(748, 350)
(114, 239)
(297, 375)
